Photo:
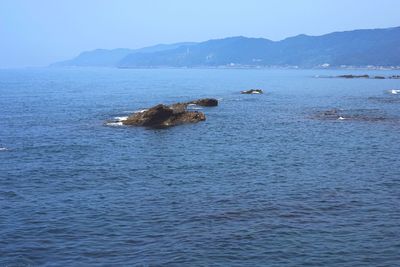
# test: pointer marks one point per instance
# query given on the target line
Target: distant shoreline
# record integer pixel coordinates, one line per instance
(365, 68)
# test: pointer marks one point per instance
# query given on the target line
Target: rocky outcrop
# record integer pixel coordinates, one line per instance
(161, 116)
(164, 116)
(252, 91)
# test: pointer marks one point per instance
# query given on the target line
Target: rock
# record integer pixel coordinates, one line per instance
(185, 117)
(205, 102)
(161, 115)
(252, 91)
(153, 116)
(179, 107)
(164, 116)
(350, 76)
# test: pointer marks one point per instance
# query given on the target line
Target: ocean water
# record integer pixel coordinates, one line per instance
(264, 181)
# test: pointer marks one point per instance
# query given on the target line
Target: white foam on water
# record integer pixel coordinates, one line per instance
(140, 110)
(3, 149)
(122, 118)
(255, 92)
(191, 105)
(394, 92)
(341, 118)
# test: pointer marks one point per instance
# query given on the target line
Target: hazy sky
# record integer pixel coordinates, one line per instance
(39, 32)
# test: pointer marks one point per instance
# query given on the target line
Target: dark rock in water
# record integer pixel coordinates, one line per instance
(350, 76)
(394, 77)
(379, 77)
(205, 102)
(164, 116)
(252, 91)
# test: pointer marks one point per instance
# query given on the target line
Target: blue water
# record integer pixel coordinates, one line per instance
(262, 182)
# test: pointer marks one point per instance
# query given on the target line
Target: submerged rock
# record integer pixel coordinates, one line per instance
(385, 99)
(252, 91)
(369, 115)
(332, 114)
(161, 115)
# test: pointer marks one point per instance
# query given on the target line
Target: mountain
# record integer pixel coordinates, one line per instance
(240, 50)
(379, 47)
(111, 57)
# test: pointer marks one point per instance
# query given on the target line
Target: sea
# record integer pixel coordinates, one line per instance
(266, 180)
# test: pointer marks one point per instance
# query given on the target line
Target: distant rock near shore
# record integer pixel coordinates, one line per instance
(161, 116)
(252, 91)
(366, 76)
(350, 76)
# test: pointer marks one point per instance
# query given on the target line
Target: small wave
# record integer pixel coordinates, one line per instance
(3, 149)
(140, 110)
(191, 105)
(115, 123)
(341, 118)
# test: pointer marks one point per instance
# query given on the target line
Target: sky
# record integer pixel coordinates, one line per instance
(40, 32)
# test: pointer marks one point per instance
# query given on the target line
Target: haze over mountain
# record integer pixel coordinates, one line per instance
(111, 58)
(378, 47)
